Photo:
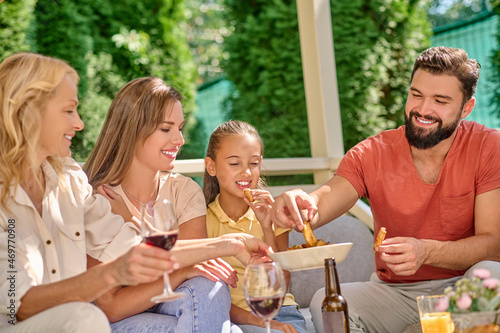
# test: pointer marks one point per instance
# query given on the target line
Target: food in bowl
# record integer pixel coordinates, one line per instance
(311, 257)
(319, 242)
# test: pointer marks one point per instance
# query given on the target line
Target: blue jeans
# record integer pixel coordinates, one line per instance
(204, 309)
(289, 314)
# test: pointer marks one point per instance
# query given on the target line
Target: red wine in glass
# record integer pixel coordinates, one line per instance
(264, 287)
(165, 241)
(266, 307)
(159, 228)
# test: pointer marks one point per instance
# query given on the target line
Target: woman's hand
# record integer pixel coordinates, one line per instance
(118, 205)
(247, 248)
(141, 264)
(214, 270)
(283, 327)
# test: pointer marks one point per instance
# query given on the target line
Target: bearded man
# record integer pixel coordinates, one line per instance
(433, 183)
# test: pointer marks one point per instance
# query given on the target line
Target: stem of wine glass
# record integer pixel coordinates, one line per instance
(166, 281)
(268, 326)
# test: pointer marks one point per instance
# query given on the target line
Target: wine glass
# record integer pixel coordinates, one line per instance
(159, 228)
(265, 288)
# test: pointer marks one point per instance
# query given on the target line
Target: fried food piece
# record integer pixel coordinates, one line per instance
(305, 245)
(380, 238)
(248, 194)
(308, 234)
(321, 242)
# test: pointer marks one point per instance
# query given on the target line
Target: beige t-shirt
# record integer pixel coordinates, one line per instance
(184, 193)
(37, 250)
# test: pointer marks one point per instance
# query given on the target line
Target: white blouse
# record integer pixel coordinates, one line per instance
(37, 250)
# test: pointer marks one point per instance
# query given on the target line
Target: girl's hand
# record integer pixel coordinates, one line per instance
(283, 327)
(118, 205)
(261, 205)
(214, 270)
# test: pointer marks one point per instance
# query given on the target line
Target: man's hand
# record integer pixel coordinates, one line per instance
(286, 210)
(403, 255)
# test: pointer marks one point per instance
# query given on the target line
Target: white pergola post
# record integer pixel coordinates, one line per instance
(320, 80)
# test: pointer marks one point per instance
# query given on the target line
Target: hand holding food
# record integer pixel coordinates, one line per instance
(380, 238)
(248, 194)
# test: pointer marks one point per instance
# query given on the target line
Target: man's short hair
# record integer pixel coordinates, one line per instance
(451, 61)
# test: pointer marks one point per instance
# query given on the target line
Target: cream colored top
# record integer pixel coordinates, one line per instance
(37, 250)
(184, 193)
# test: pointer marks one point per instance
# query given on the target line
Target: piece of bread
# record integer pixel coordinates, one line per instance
(248, 194)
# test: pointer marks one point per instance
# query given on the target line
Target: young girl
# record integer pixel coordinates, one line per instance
(129, 165)
(233, 164)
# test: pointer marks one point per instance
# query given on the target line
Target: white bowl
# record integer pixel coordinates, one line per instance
(311, 257)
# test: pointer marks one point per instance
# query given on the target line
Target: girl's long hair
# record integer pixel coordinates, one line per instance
(135, 113)
(27, 82)
(229, 128)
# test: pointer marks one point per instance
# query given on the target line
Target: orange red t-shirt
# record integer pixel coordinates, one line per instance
(381, 169)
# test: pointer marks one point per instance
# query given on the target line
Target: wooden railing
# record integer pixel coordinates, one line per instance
(287, 166)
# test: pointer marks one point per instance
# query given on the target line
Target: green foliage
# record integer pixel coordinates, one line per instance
(495, 57)
(63, 32)
(115, 42)
(206, 31)
(375, 45)
(103, 84)
(15, 18)
(449, 12)
(265, 66)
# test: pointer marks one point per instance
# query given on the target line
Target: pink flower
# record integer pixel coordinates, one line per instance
(464, 302)
(491, 283)
(481, 273)
(442, 304)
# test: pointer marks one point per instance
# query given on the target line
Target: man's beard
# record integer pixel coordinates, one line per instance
(421, 138)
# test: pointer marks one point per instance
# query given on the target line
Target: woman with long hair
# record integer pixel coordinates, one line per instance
(130, 165)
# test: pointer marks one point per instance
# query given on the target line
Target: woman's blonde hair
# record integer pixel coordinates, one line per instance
(135, 113)
(227, 129)
(27, 82)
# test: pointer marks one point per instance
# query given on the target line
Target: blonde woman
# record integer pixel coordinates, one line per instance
(49, 218)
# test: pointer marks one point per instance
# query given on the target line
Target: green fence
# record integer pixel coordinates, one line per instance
(478, 37)
(210, 98)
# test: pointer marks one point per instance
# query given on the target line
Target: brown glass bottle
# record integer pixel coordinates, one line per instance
(334, 306)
